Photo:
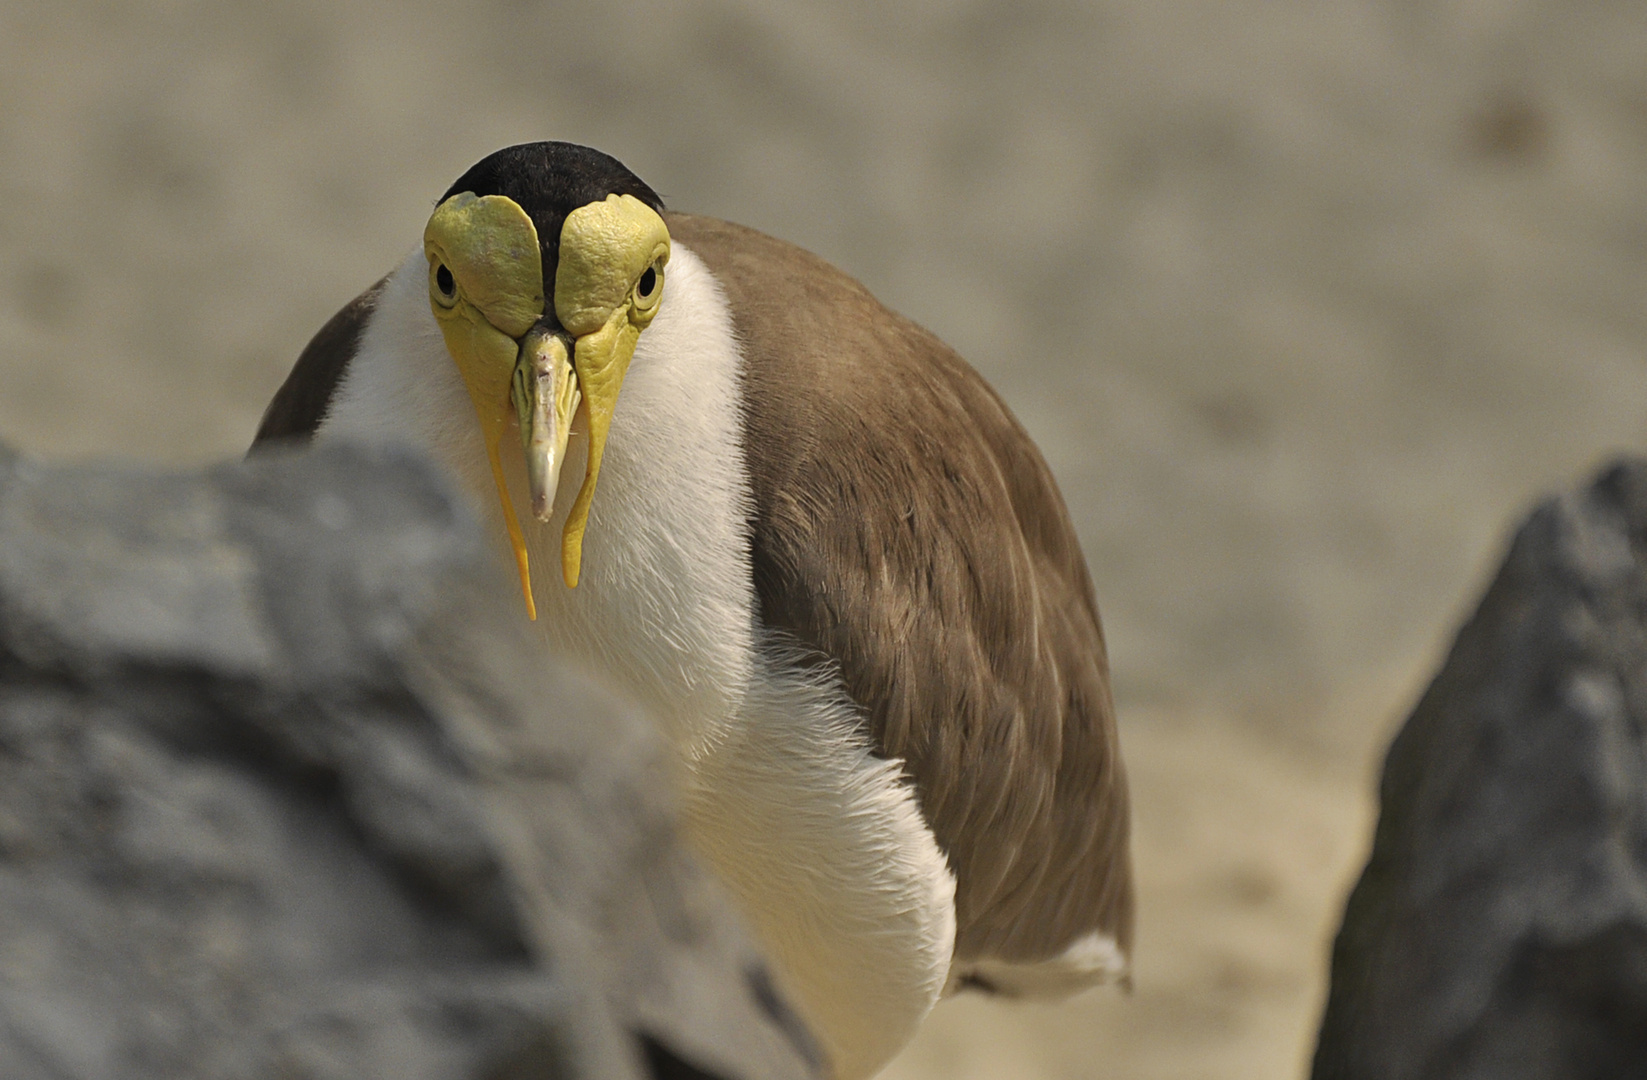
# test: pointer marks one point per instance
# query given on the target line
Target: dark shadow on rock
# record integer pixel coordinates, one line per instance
(1500, 927)
(288, 788)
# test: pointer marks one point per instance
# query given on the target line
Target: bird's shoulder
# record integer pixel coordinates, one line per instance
(301, 403)
(907, 530)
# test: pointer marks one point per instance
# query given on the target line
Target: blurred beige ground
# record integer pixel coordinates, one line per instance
(1305, 302)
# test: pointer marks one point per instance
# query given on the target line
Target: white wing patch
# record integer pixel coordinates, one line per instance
(1088, 961)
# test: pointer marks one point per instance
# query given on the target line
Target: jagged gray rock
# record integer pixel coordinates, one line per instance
(1500, 928)
(286, 792)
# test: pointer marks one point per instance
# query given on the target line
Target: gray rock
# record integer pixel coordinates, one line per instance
(1500, 928)
(285, 791)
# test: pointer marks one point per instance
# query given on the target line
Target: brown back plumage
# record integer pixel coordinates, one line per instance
(907, 530)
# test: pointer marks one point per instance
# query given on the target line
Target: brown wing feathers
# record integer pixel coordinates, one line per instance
(907, 529)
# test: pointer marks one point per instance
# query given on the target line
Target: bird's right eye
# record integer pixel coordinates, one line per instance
(445, 284)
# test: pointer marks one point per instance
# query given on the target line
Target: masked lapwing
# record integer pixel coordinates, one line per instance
(808, 537)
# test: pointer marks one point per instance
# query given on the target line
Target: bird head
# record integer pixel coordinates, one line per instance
(546, 262)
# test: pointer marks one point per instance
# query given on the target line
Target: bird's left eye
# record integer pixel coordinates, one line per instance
(649, 287)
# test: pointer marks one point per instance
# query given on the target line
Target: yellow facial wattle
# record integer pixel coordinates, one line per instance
(486, 291)
(607, 289)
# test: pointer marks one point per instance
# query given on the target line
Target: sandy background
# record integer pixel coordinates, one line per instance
(1305, 300)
